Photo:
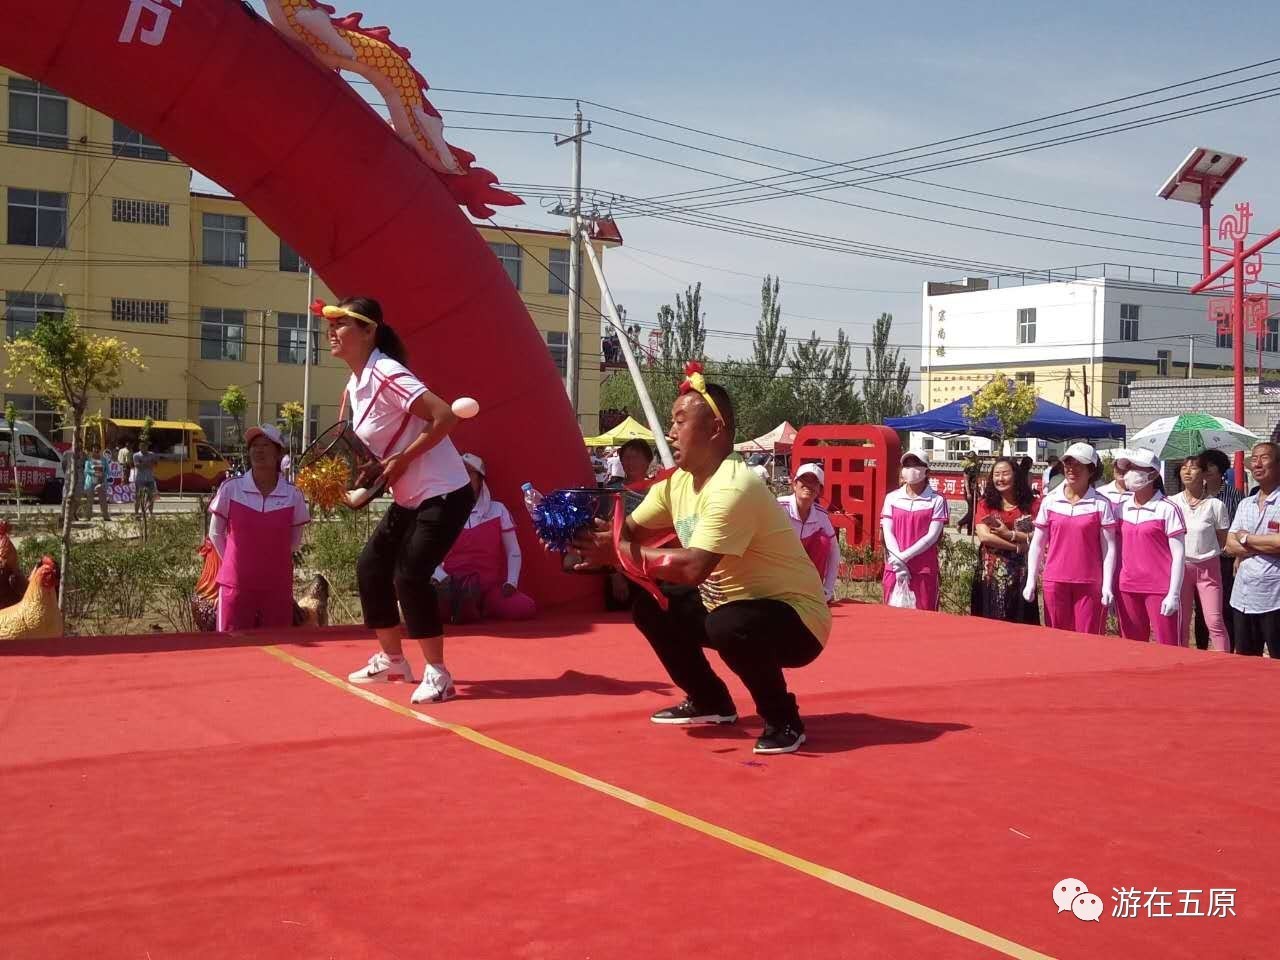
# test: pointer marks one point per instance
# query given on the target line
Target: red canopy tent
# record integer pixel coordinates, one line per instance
(776, 441)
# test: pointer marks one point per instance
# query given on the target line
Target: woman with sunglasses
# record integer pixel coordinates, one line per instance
(407, 427)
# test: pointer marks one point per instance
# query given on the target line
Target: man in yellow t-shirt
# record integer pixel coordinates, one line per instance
(758, 599)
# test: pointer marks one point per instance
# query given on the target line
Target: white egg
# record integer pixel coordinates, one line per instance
(466, 407)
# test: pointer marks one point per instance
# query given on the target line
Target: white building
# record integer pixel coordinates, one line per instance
(1081, 340)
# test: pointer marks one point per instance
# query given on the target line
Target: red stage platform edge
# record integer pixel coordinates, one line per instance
(213, 797)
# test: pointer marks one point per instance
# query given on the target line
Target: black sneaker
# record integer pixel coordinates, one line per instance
(687, 714)
(786, 739)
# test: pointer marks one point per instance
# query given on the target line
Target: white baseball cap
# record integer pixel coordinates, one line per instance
(474, 462)
(1121, 453)
(917, 453)
(1143, 459)
(1081, 453)
(264, 430)
(812, 470)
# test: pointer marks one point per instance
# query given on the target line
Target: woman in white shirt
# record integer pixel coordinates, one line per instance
(813, 526)
(407, 427)
(1207, 525)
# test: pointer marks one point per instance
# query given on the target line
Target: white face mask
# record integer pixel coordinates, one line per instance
(1138, 480)
(913, 474)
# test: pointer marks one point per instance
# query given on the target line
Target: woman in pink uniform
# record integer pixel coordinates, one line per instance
(1152, 532)
(479, 575)
(1079, 524)
(911, 523)
(813, 526)
(256, 525)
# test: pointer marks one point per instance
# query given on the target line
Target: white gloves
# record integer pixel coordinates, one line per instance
(898, 565)
(1169, 606)
(1029, 592)
(1107, 597)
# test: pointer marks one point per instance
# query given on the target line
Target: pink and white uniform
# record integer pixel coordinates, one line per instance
(818, 537)
(1073, 571)
(488, 553)
(911, 518)
(1146, 530)
(256, 535)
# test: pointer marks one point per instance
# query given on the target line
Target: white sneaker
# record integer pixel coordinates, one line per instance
(436, 686)
(382, 669)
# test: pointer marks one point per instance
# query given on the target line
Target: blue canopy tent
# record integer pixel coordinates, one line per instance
(1050, 422)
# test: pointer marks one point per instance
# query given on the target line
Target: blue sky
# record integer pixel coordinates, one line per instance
(843, 81)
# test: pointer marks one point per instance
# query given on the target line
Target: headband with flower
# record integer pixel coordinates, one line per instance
(695, 381)
(331, 312)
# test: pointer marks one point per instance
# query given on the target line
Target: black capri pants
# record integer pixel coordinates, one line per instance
(400, 558)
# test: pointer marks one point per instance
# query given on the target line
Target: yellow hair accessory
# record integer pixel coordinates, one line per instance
(695, 381)
(330, 312)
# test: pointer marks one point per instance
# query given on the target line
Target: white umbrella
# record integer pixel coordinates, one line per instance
(1175, 438)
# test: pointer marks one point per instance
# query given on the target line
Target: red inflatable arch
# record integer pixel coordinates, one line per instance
(227, 92)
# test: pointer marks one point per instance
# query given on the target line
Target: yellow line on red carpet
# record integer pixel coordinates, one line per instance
(869, 891)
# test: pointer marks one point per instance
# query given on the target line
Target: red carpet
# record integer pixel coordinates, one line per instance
(195, 797)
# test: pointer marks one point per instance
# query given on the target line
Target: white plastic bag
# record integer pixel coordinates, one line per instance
(902, 595)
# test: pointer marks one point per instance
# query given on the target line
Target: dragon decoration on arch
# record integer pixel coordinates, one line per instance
(346, 44)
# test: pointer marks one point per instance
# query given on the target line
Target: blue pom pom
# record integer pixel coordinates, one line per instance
(562, 514)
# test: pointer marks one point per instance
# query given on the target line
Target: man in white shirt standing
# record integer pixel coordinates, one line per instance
(1255, 542)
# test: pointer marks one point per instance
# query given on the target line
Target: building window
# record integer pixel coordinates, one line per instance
(1126, 378)
(1026, 376)
(37, 411)
(125, 310)
(37, 218)
(509, 255)
(1224, 341)
(218, 426)
(558, 272)
(221, 334)
(1027, 325)
(290, 262)
(1271, 341)
(957, 447)
(291, 335)
(22, 309)
(558, 344)
(226, 240)
(127, 142)
(153, 213)
(139, 408)
(1129, 321)
(37, 114)
(1163, 358)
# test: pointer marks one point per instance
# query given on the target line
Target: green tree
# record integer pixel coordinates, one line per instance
(234, 403)
(884, 385)
(1009, 403)
(683, 330)
(841, 402)
(810, 363)
(291, 415)
(66, 365)
(769, 352)
(11, 418)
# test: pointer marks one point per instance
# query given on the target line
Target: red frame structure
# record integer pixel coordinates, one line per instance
(860, 462)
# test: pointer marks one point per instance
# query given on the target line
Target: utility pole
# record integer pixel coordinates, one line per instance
(575, 259)
(1191, 358)
(306, 362)
(1067, 392)
(262, 358)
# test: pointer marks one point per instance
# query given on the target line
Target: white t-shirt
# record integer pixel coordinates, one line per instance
(613, 466)
(379, 400)
(1204, 520)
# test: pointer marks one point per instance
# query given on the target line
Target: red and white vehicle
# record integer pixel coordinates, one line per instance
(40, 469)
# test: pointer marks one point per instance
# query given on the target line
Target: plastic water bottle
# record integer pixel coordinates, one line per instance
(531, 498)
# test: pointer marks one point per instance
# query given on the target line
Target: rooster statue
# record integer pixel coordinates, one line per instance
(36, 616)
(13, 583)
